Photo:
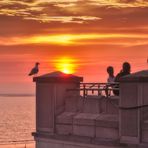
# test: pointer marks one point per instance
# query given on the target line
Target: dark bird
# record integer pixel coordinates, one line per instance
(34, 70)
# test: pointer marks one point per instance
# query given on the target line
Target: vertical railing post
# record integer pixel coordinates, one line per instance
(98, 89)
(84, 91)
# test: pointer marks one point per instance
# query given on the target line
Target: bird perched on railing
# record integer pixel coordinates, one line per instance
(34, 70)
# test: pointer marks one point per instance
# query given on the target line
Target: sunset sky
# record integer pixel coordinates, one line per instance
(84, 36)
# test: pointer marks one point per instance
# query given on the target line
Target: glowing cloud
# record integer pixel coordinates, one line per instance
(77, 39)
(63, 19)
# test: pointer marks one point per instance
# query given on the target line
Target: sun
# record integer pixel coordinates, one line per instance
(66, 65)
(67, 71)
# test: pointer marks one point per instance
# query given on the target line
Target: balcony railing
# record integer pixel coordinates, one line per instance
(105, 89)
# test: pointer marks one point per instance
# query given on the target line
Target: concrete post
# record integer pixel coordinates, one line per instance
(133, 96)
(51, 90)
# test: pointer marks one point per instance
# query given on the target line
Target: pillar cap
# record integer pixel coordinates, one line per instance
(57, 76)
(140, 76)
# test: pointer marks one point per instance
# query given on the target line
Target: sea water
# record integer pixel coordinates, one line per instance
(17, 119)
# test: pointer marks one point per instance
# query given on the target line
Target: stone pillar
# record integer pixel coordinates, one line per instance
(133, 96)
(51, 90)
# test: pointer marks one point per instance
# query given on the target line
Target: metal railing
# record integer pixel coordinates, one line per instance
(103, 89)
(98, 89)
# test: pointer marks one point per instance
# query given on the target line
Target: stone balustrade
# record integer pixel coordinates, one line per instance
(67, 119)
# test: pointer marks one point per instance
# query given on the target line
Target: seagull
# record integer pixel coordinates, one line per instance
(34, 70)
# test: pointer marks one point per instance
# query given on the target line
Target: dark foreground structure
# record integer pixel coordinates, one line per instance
(72, 114)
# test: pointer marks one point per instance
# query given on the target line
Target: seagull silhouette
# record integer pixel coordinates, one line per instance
(34, 70)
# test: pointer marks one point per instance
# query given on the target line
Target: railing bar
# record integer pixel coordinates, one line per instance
(88, 89)
(99, 83)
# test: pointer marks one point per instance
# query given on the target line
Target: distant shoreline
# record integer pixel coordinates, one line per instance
(17, 95)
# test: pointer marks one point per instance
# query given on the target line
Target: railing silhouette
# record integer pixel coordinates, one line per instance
(105, 89)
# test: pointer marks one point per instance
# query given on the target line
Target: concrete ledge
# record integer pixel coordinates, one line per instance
(84, 124)
(109, 121)
(64, 123)
(101, 104)
(70, 142)
(87, 124)
(84, 130)
(63, 129)
(92, 105)
(65, 118)
(73, 103)
(110, 133)
(107, 141)
(85, 119)
(112, 105)
(114, 97)
(107, 126)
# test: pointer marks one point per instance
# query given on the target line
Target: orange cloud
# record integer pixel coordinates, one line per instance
(79, 39)
(120, 3)
(63, 19)
(66, 11)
